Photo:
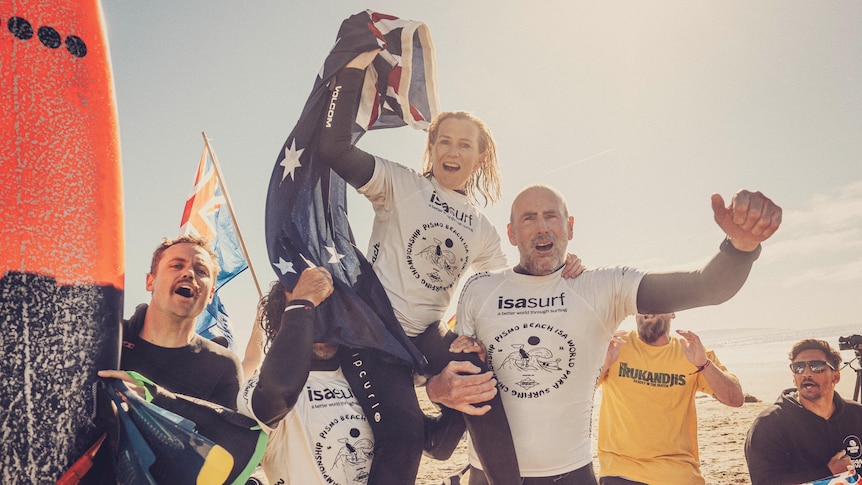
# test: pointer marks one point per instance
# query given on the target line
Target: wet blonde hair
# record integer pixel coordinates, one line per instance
(485, 180)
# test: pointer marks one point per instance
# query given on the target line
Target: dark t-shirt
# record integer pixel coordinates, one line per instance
(202, 369)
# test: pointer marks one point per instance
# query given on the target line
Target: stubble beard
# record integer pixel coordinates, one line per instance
(322, 351)
(544, 265)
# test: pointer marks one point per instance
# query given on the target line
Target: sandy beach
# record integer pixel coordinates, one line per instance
(721, 436)
(760, 363)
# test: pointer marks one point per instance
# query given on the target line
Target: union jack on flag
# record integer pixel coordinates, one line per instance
(206, 215)
(306, 207)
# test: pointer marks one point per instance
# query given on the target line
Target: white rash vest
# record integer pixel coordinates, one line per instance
(324, 439)
(424, 238)
(546, 338)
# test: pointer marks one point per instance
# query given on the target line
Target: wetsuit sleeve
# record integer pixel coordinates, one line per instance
(285, 369)
(334, 147)
(713, 284)
(443, 433)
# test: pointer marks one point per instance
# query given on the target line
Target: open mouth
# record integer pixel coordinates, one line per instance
(809, 385)
(185, 291)
(451, 167)
(544, 246)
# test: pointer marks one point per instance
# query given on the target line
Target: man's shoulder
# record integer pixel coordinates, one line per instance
(611, 272)
(782, 409)
(483, 278)
(206, 346)
(135, 323)
(851, 407)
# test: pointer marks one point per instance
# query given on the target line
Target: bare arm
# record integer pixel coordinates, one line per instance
(612, 354)
(254, 349)
(725, 386)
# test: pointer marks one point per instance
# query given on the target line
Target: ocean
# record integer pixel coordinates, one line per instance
(759, 356)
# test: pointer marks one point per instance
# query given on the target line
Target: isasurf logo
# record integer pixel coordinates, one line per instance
(504, 302)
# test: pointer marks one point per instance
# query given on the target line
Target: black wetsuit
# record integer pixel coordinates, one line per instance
(398, 432)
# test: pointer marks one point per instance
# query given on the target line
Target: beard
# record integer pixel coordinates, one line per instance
(545, 264)
(323, 351)
(650, 333)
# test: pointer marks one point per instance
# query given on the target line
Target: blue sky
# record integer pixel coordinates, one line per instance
(636, 111)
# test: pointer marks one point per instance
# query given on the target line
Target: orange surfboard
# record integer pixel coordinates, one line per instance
(61, 232)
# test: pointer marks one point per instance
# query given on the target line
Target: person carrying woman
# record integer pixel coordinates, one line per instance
(427, 232)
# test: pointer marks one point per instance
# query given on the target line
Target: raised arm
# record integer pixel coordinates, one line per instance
(750, 219)
(612, 354)
(334, 147)
(285, 369)
(725, 386)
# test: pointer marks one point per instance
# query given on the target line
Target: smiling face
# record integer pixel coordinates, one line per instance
(541, 228)
(455, 153)
(815, 387)
(182, 282)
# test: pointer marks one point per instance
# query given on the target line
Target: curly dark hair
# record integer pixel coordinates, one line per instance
(269, 309)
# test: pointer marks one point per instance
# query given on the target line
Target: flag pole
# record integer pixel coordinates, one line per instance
(232, 214)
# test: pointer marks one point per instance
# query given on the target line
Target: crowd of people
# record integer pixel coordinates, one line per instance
(531, 344)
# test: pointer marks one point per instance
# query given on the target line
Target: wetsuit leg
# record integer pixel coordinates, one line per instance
(385, 392)
(492, 438)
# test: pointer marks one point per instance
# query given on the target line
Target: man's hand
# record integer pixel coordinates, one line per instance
(460, 392)
(465, 344)
(693, 347)
(840, 463)
(125, 377)
(750, 219)
(613, 352)
(314, 285)
(614, 347)
(573, 267)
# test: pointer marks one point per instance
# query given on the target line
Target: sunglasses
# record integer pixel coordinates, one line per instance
(816, 366)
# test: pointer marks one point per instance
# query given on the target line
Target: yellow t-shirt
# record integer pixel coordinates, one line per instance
(647, 419)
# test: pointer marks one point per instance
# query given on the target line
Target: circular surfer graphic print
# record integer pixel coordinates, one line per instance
(531, 359)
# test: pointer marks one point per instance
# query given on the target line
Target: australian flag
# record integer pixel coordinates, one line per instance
(306, 207)
(206, 215)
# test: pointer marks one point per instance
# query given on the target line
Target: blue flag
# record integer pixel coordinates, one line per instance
(306, 206)
(206, 215)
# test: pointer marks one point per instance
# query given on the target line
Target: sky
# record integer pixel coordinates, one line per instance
(636, 111)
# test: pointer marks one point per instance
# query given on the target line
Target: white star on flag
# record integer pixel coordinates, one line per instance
(334, 256)
(291, 160)
(284, 266)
